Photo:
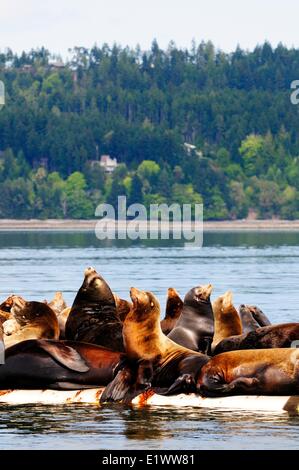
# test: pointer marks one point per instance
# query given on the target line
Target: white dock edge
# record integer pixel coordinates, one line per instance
(277, 404)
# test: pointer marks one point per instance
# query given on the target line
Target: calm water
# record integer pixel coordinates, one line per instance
(260, 268)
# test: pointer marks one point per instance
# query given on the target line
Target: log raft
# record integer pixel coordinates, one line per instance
(274, 404)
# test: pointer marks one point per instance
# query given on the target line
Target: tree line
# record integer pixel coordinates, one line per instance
(232, 110)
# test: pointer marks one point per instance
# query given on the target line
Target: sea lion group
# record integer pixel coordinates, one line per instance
(103, 340)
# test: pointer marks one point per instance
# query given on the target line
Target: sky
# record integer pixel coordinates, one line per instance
(62, 24)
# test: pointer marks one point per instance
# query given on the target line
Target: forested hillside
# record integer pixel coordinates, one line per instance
(143, 108)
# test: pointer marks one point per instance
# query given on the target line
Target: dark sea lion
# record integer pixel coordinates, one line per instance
(122, 307)
(195, 327)
(60, 365)
(93, 317)
(152, 359)
(266, 337)
(248, 322)
(35, 320)
(254, 372)
(174, 308)
(259, 315)
(57, 303)
(226, 319)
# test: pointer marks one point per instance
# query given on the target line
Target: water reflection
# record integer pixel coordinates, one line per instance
(90, 427)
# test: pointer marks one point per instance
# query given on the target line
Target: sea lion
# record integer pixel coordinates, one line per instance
(57, 303)
(248, 322)
(195, 327)
(122, 307)
(259, 315)
(62, 319)
(266, 337)
(174, 308)
(252, 318)
(36, 320)
(257, 372)
(93, 318)
(152, 359)
(226, 319)
(60, 365)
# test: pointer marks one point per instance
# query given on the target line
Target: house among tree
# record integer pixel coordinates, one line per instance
(108, 164)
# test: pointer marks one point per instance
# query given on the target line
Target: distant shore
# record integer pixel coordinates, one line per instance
(89, 225)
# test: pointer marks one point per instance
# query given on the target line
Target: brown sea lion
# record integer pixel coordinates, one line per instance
(252, 318)
(122, 307)
(174, 308)
(266, 337)
(226, 319)
(60, 365)
(195, 327)
(152, 359)
(57, 303)
(62, 319)
(36, 320)
(257, 372)
(93, 317)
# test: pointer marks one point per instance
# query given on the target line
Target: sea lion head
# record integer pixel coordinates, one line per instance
(94, 289)
(145, 305)
(26, 312)
(224, 303)
(174, 303)
(198, 295)
(57, 303)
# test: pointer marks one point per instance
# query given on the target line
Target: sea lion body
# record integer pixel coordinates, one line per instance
(93, 317)
(255, 372)
(195, 327)
(252, 318)
(226, 319)
(60, 365)
(35, 320)
(152, 359)
(174, 308)
(266, 337)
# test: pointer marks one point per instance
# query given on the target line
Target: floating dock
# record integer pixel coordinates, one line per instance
(275, 404)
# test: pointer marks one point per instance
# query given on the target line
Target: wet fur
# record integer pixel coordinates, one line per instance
(93, 317)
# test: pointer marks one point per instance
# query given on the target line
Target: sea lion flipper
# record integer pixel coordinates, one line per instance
(183, 384)
(119, 387)
(127, 384)
(65, 355)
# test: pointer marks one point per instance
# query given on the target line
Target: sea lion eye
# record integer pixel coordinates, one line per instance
(152, 304)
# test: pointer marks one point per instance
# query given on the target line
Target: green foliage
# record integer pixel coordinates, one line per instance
(142, 108)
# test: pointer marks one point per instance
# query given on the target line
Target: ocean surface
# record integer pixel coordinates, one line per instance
(261, 268)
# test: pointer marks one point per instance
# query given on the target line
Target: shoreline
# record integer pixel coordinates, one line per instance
(67, 225)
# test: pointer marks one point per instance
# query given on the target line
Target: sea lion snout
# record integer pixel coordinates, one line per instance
(89, 270)
(204, 292)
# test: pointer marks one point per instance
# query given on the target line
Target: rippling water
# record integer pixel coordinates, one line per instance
(261, 268)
